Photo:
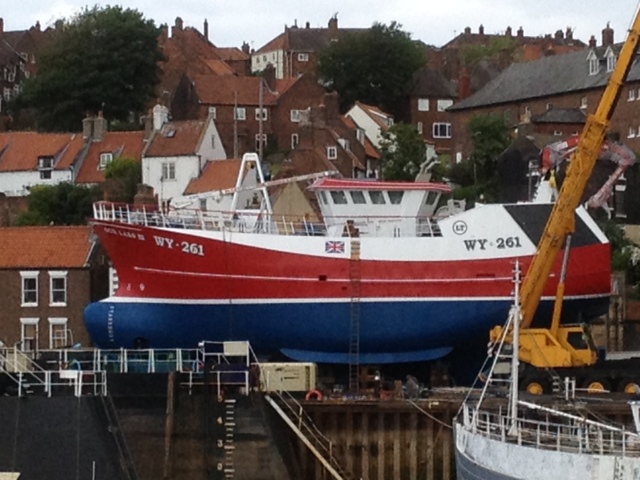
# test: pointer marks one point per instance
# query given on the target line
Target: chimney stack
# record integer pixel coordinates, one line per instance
(99, 127)
(1, 25)
(569, 34)
(520, 32)
(206, 29)
(508, 32)
(592, 41)
(87, 126)
(607, 36)
(464, 84)
(269, 76)
(481, 30)
(160, 116)
(177, 27)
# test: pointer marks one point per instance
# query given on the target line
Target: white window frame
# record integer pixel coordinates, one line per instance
(295, 140)
(29, 333)
(303, 57)
(265, 114)
(332, 153)
(584, 102)
(557, 133)
(295, 116)
(264, 141)
(29, 275)
(632, 95)
(240, 113)
(213, 112)
(444, 103)
(105, 159)
(58, 275)
(423, 104)
(419, 127)
(594, 65)
(611, 62)
(632, 132)
(59, 333)
(7, 93)
(168, 171)
(435, 130)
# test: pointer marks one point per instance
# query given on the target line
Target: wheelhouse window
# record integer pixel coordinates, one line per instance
(377, 197)
(432, 198)
(338, 197)
(29, 288)
(395, 197)
(58, 289)
(357, 197)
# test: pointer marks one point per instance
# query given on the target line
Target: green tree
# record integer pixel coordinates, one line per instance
(101, 59)
(490, 137)
(123, 175)
(402, 151)
(61, 204)
(375, 67)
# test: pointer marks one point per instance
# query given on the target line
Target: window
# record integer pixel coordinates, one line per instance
(345, 144)
(213, 112)
(29, 288)
(169, 171)
(303, 57)
(105, 159)
(357, 197)
(7, 93)
(594, 64)
(611, 62)
(264, 114)
(632, 132)
(423, 104)
(549, 106)
(338, 197)
(29, 334)
(638, 95)
(441, 130)
(240, 113)
(527, 110)
(58, 289)
(444, 104)
(557, 133)
(295, 140)
(419, 127)
(583, 102)
(377, 198)
(213, 141)
(360, 135)
(323, 196)
(332, 153)
(59, 333)
(632, 95)
(395, 197)
(263, 142)
(295, 116)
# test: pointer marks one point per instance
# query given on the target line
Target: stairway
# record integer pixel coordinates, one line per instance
(355, 277)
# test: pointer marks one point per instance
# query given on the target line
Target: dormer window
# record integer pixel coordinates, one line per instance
(611, 59)
(105, 159)
(332, 153)
(45, 166)
(583, 103)
(594, 63)
(632, 95)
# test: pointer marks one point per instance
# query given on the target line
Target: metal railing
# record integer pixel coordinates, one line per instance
(570, 435)
(262, 222)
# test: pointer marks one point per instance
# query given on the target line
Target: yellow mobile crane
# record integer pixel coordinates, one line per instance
(568, 349)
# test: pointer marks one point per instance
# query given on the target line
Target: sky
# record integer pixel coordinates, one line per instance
(256, 22)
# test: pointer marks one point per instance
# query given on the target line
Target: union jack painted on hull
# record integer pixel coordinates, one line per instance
(424, 281)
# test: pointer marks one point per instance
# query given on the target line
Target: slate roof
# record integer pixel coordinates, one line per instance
(19, 151)
(216, 175)
(120, 144)
(432, 83)
(561, 115)
(45, 247)
(176, 139)
(548, 76)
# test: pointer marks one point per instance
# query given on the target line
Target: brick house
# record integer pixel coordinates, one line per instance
(235, 104)
(295, 51)
(48, 275)
(527, 94)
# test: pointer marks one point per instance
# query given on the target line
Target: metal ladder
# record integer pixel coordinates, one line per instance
(355, 278)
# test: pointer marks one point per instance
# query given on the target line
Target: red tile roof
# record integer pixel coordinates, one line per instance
(216, 175)
(176, 139)
(227, 90)
(219, 67)
(45, 247)
(120, 144)
(231, 54)
(19, 151)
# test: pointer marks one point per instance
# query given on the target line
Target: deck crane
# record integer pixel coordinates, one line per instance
(567, 349)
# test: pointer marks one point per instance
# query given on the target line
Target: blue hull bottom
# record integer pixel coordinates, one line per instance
(390, 332)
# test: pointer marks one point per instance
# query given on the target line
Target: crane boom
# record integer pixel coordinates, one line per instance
(562, 219)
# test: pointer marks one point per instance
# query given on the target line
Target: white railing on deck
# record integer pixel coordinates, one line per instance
(553, 434)
(262, 222)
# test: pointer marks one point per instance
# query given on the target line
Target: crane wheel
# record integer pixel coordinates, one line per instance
(535, 386)
(629, 385)
(597, 385)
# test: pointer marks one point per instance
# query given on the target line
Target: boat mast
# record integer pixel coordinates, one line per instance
(516, 313)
